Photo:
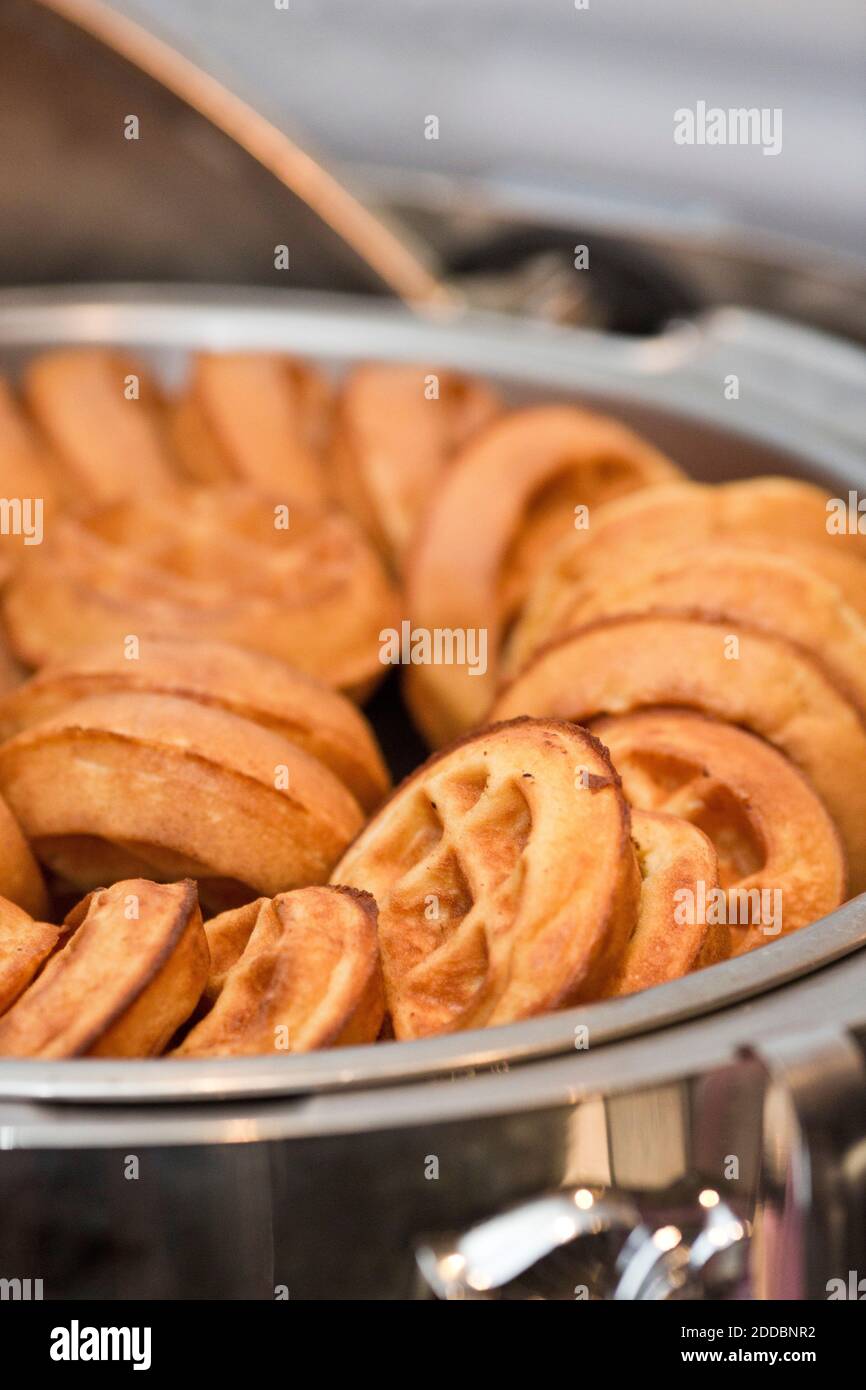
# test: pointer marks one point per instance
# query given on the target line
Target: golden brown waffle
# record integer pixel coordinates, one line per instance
(212, 564)
(773, 835)
(505, 877)
(776, 592)
(24, 946)
(255, 418)
(770, 516)
(394, 442)
(317, 720)
(227, 936)
(739, 675)
(20, 877)
(12, 673)
(675, 860)
(26, 472)
(109, 442)
(128, 976)
(510, 494)
(306, 974)
(125, 784)
(26, 465)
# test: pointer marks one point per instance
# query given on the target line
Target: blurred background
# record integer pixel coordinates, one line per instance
(555, 127)
(548, 103)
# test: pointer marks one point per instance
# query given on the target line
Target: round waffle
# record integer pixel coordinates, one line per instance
(27, 480)
(398, 429)
(510, 494)
(212, 564)
(128, 976)
(104, 419)
(505, 878)
(24, 947)
(12, 673)
(303, 972)
(678, 867)
(315, 718)
(769, 516)
(757, 680)
(125, 784)
(775, 592)
(255, 418)
(776, 844)
(20, 878)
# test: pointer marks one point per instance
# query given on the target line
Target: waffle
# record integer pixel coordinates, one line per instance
(128, 975)
(212, 564)
(302, 972)
(505, 877)
(12, 673)
(25, 945)
(26, 471)
(770, 516)
(107, 445)
(508, 497)
(20, 877)
(227, 937)
(316, 719)
(772, 687)
(393, 444)
(674, 858)
(137, 784)
(772, 833)
(255, 418)
(776, 592)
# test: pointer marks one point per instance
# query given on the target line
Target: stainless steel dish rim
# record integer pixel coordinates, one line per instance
(678, 370)
(562, 359)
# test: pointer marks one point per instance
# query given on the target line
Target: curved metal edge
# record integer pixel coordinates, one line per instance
(484, 1050)
(789, 369)
(710, 1045)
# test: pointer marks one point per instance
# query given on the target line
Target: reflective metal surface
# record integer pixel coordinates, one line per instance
(487, 1257)
(329, 1195)
(811, 1236)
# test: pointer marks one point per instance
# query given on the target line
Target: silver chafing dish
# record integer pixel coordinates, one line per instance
(726, 1110)
(709, 1141)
